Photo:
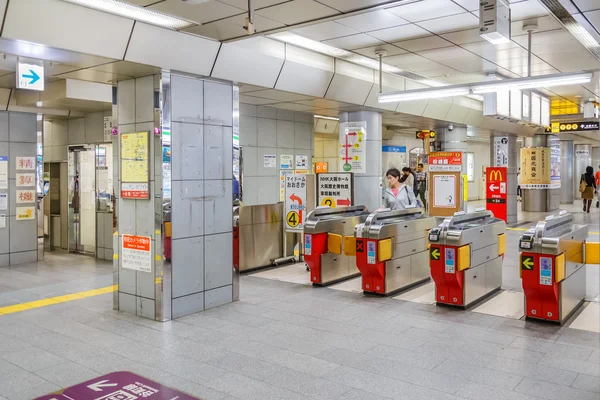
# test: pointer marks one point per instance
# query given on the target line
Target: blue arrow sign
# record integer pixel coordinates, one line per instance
(33, 76)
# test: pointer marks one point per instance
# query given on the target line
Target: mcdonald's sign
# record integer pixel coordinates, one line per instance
(496, 191)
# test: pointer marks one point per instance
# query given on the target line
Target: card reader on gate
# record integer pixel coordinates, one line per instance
(526, 242)
(434, 235)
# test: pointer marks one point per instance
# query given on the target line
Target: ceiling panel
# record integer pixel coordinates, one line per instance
(351, 5)
(546, 23)
(257, 101)
(293, 107)
(127, 68)
(244, 88)
(200, 13)
(94, 76)
(370, 51)
(232, 27)
(426, 43)
(594, 17)
(469, 5)
(256, 4)
(399, 33)
(583, 21)
(353, 42)
(463, 37)
(587, 5)
(325, 30)
(424, 10)
(374, 20)
(279, 95)
(527, 9)
(297, 11)
(325, 104)
(451, 23)
(446, 53)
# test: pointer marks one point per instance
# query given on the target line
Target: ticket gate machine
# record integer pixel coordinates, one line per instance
(552, 268)
(391, 250)
(324, 252)
(465, 255)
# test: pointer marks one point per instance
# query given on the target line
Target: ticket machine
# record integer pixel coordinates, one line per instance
(324, 247)
(465, 255)
(391, 250)
(552, 268)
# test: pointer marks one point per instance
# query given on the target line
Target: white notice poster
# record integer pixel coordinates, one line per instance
(270, 161)
(136, 253)
(25, 196)
(295, 202)
(353, 147)
(302, 162)
(444, 190)
(25, 179)
(500, 152)
(25, 163)
(334, 189)
(2, 221)
(286, 161)
(3, 201)
(108, 129)
(3, 172)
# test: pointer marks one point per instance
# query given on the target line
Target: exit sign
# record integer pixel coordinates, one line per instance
(30, 76)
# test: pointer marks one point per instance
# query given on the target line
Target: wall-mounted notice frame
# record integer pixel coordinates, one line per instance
(135, 165)
(3, 172)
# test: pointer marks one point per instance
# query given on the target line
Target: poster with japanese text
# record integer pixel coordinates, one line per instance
(353, 147)
(136, 253)
(25, 163)
(335, 190)
(295, 202)
(535, 168)
(25, 179)
(135, 165)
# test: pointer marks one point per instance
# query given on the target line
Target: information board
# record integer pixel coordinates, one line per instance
(136, 253)
(445, 161)
(135, 166)
(496, 191)
(536, 168)
(335, 189)
(501, 151)
(3, 172)
(555, 158)
(444, 191)
(295, 202)
(353, 147)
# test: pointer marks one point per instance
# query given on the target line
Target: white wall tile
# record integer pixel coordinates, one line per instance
(267, 132)
(285, 134)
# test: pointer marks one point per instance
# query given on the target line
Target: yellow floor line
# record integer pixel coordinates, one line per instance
(56, 300)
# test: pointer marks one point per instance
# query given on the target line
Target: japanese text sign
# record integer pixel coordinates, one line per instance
(295, 202)
(535, 168)
(496, 191)
(353, 147)
(136, 253)
(25, 163)
(25, 179)
(334, 189)
(445, 161)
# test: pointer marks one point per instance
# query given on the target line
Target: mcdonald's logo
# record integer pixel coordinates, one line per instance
(496, 175)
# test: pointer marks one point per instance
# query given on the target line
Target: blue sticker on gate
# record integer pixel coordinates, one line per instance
(370, 252)
(308, 245)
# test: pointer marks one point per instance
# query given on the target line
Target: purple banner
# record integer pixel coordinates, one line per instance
(119, 386)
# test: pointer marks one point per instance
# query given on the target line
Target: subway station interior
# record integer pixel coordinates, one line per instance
(300, 199)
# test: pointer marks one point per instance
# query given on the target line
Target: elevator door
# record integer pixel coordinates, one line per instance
(82, 200)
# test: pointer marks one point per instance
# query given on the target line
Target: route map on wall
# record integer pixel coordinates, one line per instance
(135, 165)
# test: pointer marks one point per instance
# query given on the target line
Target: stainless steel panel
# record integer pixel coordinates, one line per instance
(477, 229)
(145, 283)
(188, 209)
(218, 154)
(144, 213)
(493, 275)
(187, 263)
(25, 257)
(557, 234)
(333, 267)
(126, 102)
(127, 221)
(484, 254)
(419, 267)
(23, 235)
(127, 279)
(127, 303)
(474, 284)
(260, 240)
(188, 150)
(146, 308)
(410, 248)
(187, 99)
(4, 127)
(23, 128)
(397, 274)
(187, 305)
(572, 292)
(4, 260)
(217, 297)
(218, 215)
(218, 104)
(4, 236)
(219, 261)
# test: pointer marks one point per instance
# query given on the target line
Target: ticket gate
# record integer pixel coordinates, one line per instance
(391, 250)
(324, 230)
(465, 255)
(552, 268)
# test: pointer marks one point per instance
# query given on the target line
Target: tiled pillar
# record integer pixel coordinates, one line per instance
(512, 169)
(18, 238)
(192, 252)
(367, 190)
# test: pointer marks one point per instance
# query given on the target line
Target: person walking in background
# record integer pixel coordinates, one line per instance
(398, 195)
(587, 187)
(410, 179)
(421, 184)
(598, 186)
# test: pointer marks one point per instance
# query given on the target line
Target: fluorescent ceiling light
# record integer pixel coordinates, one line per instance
(134, 12)
(324, 117)
(420, 94)
(542, 81)
(495, 38)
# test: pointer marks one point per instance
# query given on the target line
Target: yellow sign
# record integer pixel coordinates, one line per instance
(293, 219)
(465, 187)
(496, 176)
(555, 127)
(535, 166)
(25, 213)
(527, 263)
(434, 253)
(134, 157)
(328, 202)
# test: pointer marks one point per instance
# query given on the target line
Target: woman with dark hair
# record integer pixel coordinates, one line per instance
(398, 196)
(587, 187)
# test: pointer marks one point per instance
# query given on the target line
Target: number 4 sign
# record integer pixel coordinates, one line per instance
(295, 202)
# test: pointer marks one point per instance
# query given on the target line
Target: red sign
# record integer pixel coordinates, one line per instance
(134, 191)
(444, 161)
(496, 191)
(119, 386)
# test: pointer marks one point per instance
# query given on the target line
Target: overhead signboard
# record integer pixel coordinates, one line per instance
(445, 162)
(295, 202)
(558, 127)
(496, 186)
(353, 147)
(335, 189)
(30, 76)
(425, 134)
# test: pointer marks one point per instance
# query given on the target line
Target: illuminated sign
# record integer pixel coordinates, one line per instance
(558, 127)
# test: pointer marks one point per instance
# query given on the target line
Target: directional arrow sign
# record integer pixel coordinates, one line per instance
(434, 253)
(30, 76)
(494, 187)
(527, 263)
(97, 387)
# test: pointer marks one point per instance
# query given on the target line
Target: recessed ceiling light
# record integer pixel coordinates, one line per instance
(134, 12)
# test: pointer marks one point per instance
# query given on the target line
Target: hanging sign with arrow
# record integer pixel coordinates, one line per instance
(30, 76)
(335, 189)
(118, 385)
(353, 147)
(496, 191)
(295, 202)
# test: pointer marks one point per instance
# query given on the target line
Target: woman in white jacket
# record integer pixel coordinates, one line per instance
(398, 196)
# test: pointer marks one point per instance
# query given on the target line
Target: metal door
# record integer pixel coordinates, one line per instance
(82, 199)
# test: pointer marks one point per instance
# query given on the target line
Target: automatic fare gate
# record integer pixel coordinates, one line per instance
(552, 260)
(465, 255)
(391, 250)
(324, 250)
